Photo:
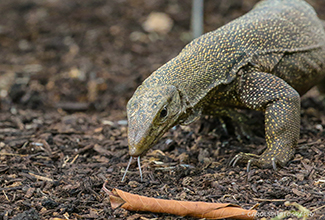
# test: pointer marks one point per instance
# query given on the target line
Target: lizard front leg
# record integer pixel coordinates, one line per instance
(281, 104)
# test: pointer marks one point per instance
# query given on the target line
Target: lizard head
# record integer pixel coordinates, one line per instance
(151, 112)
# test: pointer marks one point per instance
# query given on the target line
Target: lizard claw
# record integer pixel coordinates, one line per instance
(243, 157)
(252, 159)
(274, 163)
(248, 168)
(223, 125)
(234, 160)
(243, 130)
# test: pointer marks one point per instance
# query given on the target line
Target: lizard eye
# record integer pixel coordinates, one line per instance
(163, 112)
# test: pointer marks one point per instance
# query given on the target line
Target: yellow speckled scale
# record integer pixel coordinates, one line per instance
(264, 60)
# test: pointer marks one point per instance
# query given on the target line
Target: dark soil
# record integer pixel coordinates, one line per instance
(67, 69)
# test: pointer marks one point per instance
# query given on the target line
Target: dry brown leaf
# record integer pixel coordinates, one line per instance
(132, 202)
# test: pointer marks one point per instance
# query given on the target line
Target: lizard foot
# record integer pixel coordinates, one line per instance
(258, 160)
(241, 130)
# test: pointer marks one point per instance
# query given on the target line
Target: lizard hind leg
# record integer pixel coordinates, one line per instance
(281, 104)
(239, 121)
(321, 87)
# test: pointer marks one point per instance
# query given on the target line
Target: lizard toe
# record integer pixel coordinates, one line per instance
(261, 163)
(243, 158)
(255, 160)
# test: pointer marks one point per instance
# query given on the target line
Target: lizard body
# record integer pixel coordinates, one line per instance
(263, 60)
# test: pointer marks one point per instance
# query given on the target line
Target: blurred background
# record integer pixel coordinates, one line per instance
(81, 55)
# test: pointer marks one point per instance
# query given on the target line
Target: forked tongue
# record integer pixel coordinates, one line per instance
(127, 168)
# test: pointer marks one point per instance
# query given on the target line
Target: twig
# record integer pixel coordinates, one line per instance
(5, 195)
(269, 200)
(74, 159)
(318, 208)
(41, 177)
(11, 154)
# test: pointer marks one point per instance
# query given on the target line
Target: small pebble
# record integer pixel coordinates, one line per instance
(158, 22)
(122, 122)
(319, 127)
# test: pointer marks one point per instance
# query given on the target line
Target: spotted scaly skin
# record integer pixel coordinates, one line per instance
(264, 60)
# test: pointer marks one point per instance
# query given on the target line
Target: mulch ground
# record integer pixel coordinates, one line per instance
(67, 69)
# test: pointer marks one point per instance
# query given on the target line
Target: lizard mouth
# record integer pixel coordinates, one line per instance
(141, 149)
